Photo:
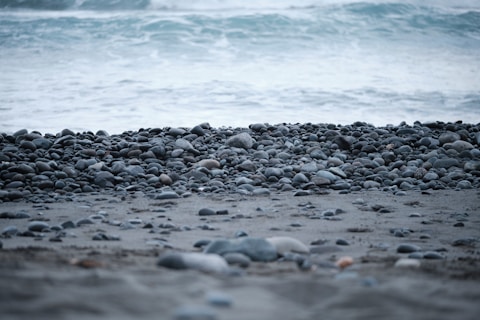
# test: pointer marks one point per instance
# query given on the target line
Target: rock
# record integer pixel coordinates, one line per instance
(104, 179)
(164, 195)
(105, 237)
(237, 259)
(407, 248)
(241, 140)
(38, 226)
(209, 164)
(342, 242)
(257, 249)
(193, 260)
(446, 163)
(206, 212)
(407, 263)
(432, 255)
(288, 244)
(9, 231)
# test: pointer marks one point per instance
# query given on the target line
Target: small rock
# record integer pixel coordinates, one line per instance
(206, 212)
(288, 244)
(37, 226)
(407, 248)
(407, 263)
(193, 260)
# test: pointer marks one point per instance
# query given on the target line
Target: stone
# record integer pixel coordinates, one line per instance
(164, 195)
(288, 244)
(38, 226)
(242, 140)
(407, 248)
(238, 259)
(209, 164)
(193, 260)
(407, 263)
(206, 212)
(257, 249)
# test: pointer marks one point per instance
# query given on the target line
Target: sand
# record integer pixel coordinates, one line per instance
(79, 278)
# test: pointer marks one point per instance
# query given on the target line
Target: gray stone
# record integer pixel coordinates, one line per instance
(37, 226)
(241, 140)
(407, 248)
(257, 249)
(206, 212)
(167, 195)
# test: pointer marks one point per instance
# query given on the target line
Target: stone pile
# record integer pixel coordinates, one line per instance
(301, 158)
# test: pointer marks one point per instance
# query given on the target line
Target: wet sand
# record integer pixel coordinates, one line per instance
(72, 276)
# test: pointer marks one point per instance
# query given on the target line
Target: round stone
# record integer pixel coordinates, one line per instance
(407, 248)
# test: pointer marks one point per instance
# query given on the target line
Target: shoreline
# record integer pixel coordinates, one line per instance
(307, 158)
(268, 222)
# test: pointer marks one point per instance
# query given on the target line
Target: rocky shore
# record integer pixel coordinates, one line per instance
(269, 222)
(302, 158)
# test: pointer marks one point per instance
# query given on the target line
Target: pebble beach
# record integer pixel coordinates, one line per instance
(293, 221)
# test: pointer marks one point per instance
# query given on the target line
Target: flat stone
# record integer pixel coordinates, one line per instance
(37, 226)
(257, 249)
(407, 248)
(288, 244)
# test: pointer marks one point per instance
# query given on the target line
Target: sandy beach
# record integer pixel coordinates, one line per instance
(66, 274)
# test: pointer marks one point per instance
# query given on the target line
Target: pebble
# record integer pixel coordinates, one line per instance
(193, 260)
(262, 159)
(38, 226)
(407, 248)
(103, 236)
(257, 249)
(288, 244)
(407, 263)
(239, 259)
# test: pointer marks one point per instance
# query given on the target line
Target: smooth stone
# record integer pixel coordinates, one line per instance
(257, 249)
(432, 255)
(9, 231)
(342, 242)
(288, 244)
(193, 260)
(327, 175)
(37, 226)
(407, 263)
(201, 243)
(242, 140)
(164, 195)
(105, 237)
(209, 164)
(68, 225)
(407, 248)
(206, 212)
(239, 259)
(84, 221)
(446, 163)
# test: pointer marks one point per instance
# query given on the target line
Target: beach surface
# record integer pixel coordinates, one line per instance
(94, 255)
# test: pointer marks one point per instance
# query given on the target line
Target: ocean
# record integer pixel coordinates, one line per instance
(121, 65)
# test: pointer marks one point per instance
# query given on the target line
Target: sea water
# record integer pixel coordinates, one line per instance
(122, 65)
